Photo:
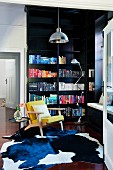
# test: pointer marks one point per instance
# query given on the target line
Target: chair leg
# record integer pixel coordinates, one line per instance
(41, 131)
(61, 125)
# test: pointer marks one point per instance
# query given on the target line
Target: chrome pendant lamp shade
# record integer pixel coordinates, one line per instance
(58, 36)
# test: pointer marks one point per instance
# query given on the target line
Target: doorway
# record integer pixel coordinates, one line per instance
(108, 95)
(10, 78)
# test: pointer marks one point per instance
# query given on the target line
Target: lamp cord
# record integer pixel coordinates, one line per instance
(58, 17)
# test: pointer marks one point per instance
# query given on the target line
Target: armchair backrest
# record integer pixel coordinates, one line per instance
(30, 104)
(33, 117)
(38, 106)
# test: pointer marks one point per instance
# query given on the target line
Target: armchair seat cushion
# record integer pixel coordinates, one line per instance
(34, 121)
(52, 119)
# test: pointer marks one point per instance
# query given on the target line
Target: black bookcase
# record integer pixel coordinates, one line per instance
(51, 76)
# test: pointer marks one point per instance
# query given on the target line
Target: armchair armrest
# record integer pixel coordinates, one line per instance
(34, 112)
(54, 108)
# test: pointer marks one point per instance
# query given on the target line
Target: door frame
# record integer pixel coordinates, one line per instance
(23, 77)
(107, 125)
(11, 102)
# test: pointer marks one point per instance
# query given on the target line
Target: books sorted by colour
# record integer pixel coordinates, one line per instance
(70, 73)
(70, 86)
(52, 99)
(37, 59)
(42, 86)
(71, 99)
(73, 112)
(34, 72)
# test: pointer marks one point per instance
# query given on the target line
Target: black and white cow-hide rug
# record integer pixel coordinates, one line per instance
(38, 153)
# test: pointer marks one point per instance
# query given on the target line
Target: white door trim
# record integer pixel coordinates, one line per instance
(107, 125)
(23, 77)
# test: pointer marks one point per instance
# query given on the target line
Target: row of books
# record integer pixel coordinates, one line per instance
(52, 99)
(33, 72)
(37, 59)
(69, 112)
(70, 86)
(70, 73)
(71, 99)
(73, 112)
(43, 86)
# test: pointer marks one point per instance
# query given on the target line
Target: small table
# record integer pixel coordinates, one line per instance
(23, 119)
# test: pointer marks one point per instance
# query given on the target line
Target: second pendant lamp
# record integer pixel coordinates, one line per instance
(58, 36)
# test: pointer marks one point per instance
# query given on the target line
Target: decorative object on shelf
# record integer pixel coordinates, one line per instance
(18, 114)
(58, 36)
(62, 60)
(74, 61)
(91, 73)
(91, 86)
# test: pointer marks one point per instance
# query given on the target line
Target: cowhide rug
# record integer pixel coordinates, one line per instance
(38, 153)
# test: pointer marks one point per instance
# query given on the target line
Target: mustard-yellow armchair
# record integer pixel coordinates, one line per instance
(39, 115)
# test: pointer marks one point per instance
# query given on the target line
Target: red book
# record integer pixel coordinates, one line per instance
(70, 99)
(63, 99)
(83, 99)
(30, 72)
(35, 72)
(39, 73)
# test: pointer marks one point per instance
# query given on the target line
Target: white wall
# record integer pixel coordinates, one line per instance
(82, 4)
(2, 78)
(12, 26)
(13, 37)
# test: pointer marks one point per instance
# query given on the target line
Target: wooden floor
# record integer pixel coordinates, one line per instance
(8, 128)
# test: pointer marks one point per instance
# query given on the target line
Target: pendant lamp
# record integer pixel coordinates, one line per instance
(58, 36)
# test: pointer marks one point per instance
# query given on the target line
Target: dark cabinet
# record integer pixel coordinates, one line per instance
(95, 118)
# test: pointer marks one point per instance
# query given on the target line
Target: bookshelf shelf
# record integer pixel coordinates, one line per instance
(49, 79)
